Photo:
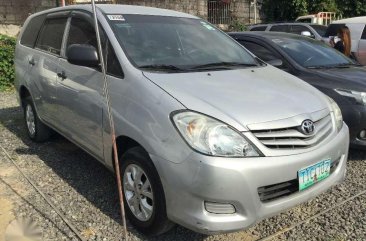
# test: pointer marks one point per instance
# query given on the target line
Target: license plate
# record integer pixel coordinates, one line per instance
(310, 175)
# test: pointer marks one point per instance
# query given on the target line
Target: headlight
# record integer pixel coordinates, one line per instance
(360, 97)
(337, 114)
(212, 137)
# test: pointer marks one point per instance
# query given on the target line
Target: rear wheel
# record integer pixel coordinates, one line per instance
(37, 131)
(143, 193)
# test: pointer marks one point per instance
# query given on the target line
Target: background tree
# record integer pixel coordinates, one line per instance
(284, 10)
(352, 8)
(289, 10)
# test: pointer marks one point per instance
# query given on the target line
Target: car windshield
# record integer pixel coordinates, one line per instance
(311, 53)
(320, 29)
(177, 44)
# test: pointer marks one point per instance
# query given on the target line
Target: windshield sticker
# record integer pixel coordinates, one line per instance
(208, 26)
(116, 17)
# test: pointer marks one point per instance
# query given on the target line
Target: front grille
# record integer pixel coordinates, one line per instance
(283, 189)
(292, 138)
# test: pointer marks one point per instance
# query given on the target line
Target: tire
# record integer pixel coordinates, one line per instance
(37, 131)
(157, 221)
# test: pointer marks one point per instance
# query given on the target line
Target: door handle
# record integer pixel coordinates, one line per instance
(62, 75)
(31, 62)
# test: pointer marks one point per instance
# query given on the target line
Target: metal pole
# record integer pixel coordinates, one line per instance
(111, 122)
(255, 11)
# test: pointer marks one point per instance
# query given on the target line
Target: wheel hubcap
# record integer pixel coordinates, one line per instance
(29, 117)
(138, 192)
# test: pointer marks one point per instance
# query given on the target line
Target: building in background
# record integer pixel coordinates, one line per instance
(223, 13)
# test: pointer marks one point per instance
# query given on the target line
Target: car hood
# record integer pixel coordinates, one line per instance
(349, 78)
(242, 97)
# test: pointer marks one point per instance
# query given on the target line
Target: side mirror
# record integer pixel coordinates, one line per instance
(275, 62)
(83, 55)
(306, 34)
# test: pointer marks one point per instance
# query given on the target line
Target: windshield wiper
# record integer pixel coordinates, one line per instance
(318, 67)
(342, 65)
(161, 67)
(222, 65)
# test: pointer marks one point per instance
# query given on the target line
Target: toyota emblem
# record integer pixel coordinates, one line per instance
(307, 127)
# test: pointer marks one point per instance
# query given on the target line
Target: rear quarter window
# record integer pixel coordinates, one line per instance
(31, 31)
(364, 33)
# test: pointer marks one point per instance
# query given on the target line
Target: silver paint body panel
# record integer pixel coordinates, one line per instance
(261, 97)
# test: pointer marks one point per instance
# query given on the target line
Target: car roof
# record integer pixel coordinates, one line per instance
(122, 9)
(283, 23)
(352, 20)
(269, 35)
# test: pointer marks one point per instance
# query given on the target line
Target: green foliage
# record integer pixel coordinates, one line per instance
(237, 26)
(288, 10)
(352, 8)
(7, 72)
(284, 10)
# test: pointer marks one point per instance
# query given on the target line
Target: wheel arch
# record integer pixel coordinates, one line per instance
(23, 93)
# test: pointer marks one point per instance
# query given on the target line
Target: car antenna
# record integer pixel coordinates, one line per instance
(111, 121)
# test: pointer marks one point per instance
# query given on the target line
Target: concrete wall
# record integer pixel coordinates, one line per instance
(195, 7)
(16, 11)
(241, 10)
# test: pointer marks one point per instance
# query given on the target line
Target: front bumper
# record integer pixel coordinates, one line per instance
(236, 181)
(355, 117)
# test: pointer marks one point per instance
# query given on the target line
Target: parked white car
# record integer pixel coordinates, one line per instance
(357, 26)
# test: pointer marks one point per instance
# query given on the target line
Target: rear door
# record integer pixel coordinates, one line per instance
(44, 66)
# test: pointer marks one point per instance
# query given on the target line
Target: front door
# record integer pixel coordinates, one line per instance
(80, 91)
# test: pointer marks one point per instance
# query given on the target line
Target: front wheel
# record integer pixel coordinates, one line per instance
(143, 193)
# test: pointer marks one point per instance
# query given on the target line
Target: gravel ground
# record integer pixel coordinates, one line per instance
(85, 192)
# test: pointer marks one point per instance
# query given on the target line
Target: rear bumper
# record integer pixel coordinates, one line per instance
(236, 181)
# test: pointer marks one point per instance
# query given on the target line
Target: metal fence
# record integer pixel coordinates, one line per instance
(219, 12)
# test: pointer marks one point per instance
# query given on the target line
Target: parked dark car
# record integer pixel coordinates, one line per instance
(315, 31)
(319, 65)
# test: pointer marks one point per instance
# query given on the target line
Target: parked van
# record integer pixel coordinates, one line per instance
(357, 27)
(209, 136)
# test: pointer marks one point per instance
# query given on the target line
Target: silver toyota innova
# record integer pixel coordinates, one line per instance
(210, 137)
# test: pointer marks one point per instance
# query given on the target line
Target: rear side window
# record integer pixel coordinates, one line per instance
(51, 35)
(260, 28)
(30, 33)
(279, 28)
(332, 30)
(297, 29)
(260, 51)
(364, 33)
